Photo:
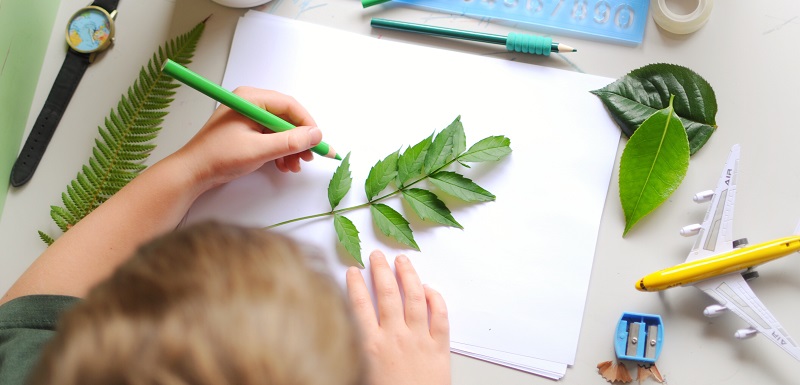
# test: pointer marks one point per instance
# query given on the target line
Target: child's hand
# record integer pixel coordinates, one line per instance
(231, 145)
(403, 346)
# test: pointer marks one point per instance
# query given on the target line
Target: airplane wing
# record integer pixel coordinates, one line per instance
(733, 292)
(716, 233)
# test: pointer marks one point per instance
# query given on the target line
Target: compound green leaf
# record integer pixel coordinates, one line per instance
(340, 182)
(381, 174)
(447, 145)
(652, 165)
(637, 95)
(492, 148)
(460, 187)
(392, 224)
(348, 236)
(409, 165)
(429, 207)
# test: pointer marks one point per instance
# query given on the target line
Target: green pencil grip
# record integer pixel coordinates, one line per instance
(520, 42)
(517, 42)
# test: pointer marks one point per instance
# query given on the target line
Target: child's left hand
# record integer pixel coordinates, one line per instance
(403, 345)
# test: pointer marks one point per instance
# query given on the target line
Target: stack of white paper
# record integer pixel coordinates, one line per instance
(515, 278)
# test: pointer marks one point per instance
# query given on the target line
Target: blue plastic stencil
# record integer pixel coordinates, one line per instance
(619, 21)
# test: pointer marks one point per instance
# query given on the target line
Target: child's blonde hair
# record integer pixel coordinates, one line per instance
(209, 304)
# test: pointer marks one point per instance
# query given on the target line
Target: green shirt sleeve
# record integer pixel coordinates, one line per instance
(26, 325)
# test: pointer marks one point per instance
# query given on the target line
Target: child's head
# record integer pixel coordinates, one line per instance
(209, 304)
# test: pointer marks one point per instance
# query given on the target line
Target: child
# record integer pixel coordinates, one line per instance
(212, 303)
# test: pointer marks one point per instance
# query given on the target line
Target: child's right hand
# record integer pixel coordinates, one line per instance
(402, 345)
(231, 145)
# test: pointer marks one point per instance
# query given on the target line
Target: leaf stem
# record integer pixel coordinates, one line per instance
(351, 208)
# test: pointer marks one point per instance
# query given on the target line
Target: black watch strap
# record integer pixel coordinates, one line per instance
(66, 82)
(108, 5)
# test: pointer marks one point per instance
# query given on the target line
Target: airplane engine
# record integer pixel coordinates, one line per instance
(703, 196)
(714, 311)
(690, 230)
(743, 334)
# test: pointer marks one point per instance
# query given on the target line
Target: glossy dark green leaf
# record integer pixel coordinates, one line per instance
(409, 165)
(460, 187)
(492, 148)
(429, 207)
(637, 95)
(392, 224)
(380, 175)
(340, 182)
(447, 145)
(348, 236)
(652, 165)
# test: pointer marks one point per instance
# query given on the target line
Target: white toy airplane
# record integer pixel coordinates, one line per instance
(720, 265)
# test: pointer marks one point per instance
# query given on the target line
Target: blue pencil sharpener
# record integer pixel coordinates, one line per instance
(639, 337)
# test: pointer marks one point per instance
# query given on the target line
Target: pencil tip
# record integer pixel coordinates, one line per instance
(337, 157)
(565, 48)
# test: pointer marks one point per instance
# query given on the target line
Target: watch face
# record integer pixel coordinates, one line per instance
(90, 30)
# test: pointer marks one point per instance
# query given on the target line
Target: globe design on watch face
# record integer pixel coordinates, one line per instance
(89, 30)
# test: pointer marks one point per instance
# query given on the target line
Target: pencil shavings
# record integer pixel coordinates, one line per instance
(656, 374)
(614, 373)
(605, 368)
(610, 373)
(642, 373)
(623, 374)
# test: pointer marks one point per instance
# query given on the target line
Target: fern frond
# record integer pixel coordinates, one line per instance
(46, 238)
(125, 140)
(62, 217)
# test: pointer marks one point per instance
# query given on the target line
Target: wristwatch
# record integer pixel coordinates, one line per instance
(89, 31)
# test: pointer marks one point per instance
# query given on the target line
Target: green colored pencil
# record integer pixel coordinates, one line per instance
(518, 42)
(238, 104)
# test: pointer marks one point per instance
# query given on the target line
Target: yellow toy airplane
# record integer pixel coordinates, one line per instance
(721, 266)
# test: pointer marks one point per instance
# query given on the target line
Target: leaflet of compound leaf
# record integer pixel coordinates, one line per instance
(426, 160)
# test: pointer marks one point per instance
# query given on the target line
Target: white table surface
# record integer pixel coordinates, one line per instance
(747, 51)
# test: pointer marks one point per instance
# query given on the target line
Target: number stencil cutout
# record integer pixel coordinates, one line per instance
(617, 21)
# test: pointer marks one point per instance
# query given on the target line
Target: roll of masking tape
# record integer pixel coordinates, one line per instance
(681, 24)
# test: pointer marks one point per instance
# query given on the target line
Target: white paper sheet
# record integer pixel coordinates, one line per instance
(515, 278)
(549, 369)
